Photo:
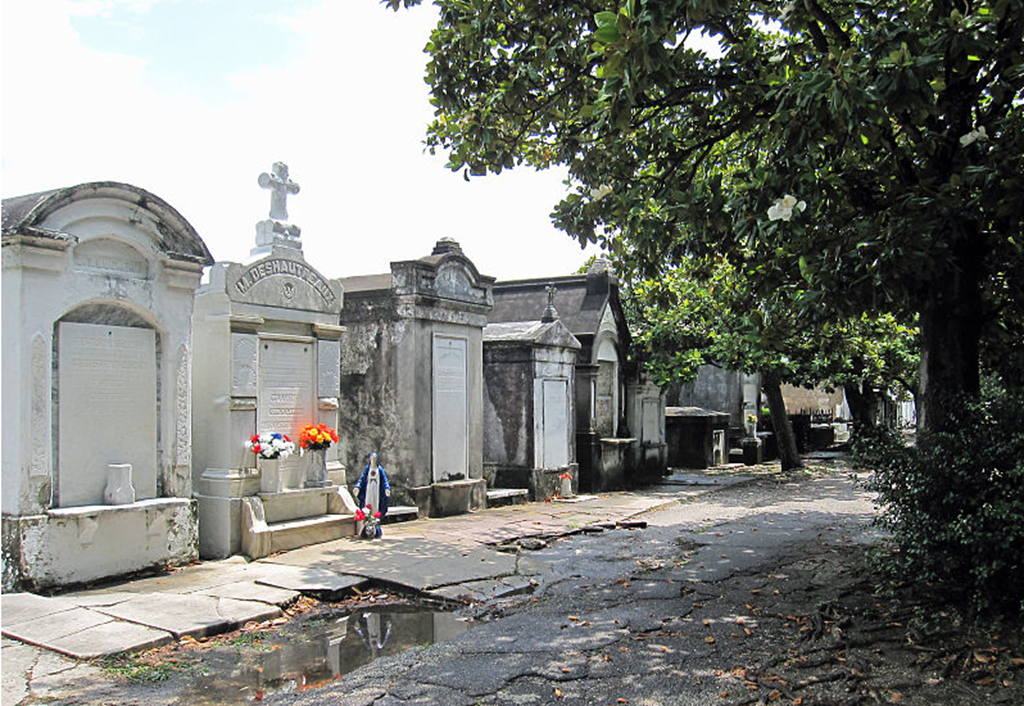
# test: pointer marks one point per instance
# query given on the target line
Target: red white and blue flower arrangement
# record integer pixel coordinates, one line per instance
(271, 446)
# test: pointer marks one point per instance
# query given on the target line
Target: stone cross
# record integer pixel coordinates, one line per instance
(550, 313)
(280, 186)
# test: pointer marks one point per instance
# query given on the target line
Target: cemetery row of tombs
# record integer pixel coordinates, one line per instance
(131, 384)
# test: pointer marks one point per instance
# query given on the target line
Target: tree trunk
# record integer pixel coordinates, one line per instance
(950, 332)
(785, 439)
(863, 407)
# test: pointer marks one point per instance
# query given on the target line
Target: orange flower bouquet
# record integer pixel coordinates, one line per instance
(317, 437)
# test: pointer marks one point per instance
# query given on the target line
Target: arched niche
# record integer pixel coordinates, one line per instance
(106, 395)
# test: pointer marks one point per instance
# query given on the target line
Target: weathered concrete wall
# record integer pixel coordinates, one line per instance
(375, 415)
(714, 389)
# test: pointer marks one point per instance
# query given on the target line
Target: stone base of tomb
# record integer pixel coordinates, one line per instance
(75, 545)
(456, 497)
(274, 522)
(615, 464)
(500, 497)
(540, 483)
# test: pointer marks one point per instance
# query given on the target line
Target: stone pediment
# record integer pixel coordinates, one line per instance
(446, 274)
(283, 279)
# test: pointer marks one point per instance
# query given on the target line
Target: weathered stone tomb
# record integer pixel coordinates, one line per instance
(98, 285)
(530, 404)
(268, 348)
(412, 378)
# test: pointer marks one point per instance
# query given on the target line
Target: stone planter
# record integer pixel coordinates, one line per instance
(453, 497)
(316, 468)
(119, 489)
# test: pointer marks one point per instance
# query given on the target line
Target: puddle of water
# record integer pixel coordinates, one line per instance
(315, 652)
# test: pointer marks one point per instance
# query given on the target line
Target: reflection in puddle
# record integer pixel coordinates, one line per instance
(317, 652)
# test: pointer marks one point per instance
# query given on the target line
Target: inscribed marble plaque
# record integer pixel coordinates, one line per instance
(106, 392)
(285, 401)
(450, 413)
(329, 368)
(556, 423)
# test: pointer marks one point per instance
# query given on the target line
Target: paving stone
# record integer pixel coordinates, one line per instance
(47, 628)
(19, 607)
(192, 615)
(302, 579)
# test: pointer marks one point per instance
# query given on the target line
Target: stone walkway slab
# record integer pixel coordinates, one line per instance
(192, 615)
(46, 629)
(253, 591)
(301, 578)
(109, 638)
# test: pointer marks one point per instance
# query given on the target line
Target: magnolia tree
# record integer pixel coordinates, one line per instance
(688, 318)
(873, 152)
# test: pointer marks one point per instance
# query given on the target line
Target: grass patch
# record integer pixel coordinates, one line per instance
(137, 671)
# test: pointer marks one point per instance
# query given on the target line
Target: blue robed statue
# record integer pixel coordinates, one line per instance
(373, 491)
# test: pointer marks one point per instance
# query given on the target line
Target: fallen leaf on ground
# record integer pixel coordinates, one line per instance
(558, 693)
(709, 640)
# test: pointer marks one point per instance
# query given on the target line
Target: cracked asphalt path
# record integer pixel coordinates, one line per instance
(627, 616)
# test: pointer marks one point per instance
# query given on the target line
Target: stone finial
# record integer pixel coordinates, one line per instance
(600, 265)
(280, 186)
(550, 313)
(446, 245)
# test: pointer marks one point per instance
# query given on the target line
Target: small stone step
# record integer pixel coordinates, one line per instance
(497, 497)
(293, 534)
(401, 513)
(735, 455)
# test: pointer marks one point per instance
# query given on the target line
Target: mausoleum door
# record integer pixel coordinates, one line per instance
(107, 409)
(450, 412)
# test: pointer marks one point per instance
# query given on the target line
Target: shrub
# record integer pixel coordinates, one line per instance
(954, 503)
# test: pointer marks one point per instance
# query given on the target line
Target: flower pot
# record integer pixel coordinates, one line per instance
(316, 468)
(270, 475)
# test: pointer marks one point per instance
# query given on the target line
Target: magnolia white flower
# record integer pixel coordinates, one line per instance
(978, 134)
(599, 192)
(782, 209)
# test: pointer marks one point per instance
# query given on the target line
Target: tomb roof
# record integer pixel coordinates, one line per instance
(580, 300)
(552, 333)
(27, 215)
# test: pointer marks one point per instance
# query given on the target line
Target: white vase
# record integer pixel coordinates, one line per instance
(566, 488)
(270, 474)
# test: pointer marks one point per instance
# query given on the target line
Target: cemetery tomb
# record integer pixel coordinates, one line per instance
(607, 448)
(98, 289)
(268, 349)
(529, 405)
(412, 379)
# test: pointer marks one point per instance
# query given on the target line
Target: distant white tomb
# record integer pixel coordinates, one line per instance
(98, 285)
(268, 359)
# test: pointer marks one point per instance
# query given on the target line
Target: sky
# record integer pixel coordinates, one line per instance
(193, 99)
